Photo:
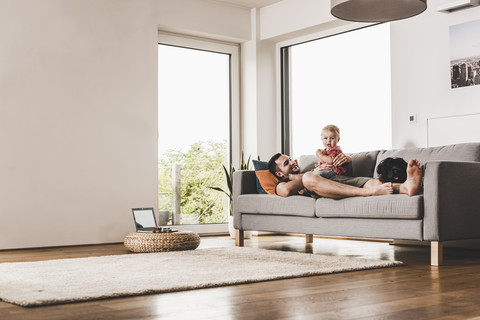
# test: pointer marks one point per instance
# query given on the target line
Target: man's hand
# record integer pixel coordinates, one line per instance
(302, 192)
(341, 159)
(322, 167)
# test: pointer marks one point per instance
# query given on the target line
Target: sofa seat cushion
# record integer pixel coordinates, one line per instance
(271, 204)
(397, 206)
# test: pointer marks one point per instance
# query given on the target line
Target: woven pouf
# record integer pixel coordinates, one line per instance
(157, 242)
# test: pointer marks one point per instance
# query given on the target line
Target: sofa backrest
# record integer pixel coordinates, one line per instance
(307, 162)
(454, 152)
(364, 163)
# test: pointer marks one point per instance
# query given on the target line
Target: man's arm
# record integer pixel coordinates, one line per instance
(290, 188)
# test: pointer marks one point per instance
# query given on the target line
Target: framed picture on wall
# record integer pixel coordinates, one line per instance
(465, 54)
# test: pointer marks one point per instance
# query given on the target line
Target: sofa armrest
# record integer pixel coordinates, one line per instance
(244, 182)
(451, 200)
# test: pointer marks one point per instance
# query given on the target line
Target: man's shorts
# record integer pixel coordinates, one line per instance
(358, 182)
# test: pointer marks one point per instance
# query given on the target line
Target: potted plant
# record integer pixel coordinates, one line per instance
(229, 192)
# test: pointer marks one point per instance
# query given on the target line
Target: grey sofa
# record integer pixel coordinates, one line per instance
(448, 209)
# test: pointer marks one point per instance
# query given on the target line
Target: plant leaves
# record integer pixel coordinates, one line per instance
(229, 177)
(221, 190)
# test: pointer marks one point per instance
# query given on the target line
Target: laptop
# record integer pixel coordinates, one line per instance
(144, 219)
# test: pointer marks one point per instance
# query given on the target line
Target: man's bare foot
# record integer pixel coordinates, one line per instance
(413, 183)
(381, 189)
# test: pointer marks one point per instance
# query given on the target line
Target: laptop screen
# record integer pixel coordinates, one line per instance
(144, 218)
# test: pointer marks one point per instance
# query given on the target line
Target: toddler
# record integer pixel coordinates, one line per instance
(330, 138)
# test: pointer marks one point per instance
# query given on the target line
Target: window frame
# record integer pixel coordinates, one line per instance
(191, 42)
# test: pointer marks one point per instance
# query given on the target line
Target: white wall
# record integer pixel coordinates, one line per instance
(205, 18)
(287, 17)
(248, 85)
(78, 110)
(259, 120)
(421, 74)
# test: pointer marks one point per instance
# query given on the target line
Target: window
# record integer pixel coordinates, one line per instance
(343, 80)
(196, 102)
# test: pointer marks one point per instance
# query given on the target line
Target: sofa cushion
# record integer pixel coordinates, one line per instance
(363, 163)
(454, 152)
(268, 181)
(397, 206)
(271, 204)
(260, 165)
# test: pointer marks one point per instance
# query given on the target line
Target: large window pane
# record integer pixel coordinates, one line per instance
(342, 80)
(194, 133)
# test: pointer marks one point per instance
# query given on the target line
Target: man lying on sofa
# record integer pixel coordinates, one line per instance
(293, 182)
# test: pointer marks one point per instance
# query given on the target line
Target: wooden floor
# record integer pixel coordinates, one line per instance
(414, 291)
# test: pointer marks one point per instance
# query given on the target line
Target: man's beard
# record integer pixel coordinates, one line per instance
(294, 170)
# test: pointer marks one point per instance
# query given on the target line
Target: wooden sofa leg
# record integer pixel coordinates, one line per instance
(239, 238)
(309, 238)
(436, 248)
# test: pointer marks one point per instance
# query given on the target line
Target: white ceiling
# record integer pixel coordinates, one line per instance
(250, 3)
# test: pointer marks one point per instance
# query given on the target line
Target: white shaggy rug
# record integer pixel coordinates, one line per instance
(68, 280)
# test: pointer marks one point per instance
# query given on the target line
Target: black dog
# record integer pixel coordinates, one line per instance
(392, 170)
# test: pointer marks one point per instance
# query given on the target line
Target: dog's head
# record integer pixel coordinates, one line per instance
(392, 170)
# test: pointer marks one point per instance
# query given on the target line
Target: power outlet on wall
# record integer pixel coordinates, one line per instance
(412, 119)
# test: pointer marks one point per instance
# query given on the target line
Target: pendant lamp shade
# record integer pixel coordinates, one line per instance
(376, 10)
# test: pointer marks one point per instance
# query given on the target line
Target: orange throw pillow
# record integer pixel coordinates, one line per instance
(267, 180)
